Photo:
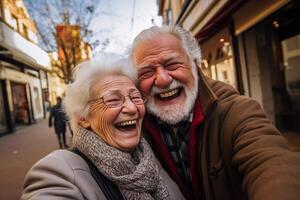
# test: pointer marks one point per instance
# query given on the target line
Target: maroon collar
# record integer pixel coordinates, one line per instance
(151, 126)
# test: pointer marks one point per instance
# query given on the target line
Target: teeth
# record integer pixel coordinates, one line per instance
(127, 123)
(168, 94)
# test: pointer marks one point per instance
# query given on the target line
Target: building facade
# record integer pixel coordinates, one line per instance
(24, 68)
(252, 45)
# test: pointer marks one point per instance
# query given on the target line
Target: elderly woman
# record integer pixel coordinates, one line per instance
(106, 112)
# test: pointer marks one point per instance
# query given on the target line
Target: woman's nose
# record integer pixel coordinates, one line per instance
(129, 106)
(162, 79)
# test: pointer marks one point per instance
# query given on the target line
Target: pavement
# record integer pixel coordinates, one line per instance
(21, 149)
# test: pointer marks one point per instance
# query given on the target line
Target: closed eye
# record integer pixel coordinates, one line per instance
(173, 66)
(146, 74)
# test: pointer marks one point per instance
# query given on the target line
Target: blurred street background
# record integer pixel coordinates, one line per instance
(19, 151)
(252, 45)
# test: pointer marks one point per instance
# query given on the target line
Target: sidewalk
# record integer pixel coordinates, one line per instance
(19, 151)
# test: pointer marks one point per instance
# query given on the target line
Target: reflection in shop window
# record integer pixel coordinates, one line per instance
(291, 56)
(218, 58)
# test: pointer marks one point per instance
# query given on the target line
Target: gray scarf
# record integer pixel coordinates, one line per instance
(136, 174)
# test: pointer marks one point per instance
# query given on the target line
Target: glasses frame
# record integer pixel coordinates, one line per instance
(123, 100)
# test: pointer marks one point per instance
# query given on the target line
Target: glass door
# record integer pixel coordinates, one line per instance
(20, 103)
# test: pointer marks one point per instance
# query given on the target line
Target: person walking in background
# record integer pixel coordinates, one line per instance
(60, 122)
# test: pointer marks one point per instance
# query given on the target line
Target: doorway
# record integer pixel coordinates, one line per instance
(20, 104)
(286, 24)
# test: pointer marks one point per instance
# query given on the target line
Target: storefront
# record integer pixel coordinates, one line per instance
(22, 100)
(270, 59)
(255, 47)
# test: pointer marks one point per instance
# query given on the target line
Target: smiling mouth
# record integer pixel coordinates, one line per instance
(126, 125)
(170, 94)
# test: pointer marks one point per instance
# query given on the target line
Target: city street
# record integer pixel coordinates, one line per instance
(19, 151)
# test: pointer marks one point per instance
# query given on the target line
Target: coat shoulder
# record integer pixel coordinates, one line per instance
(222, 90)
(61, 173)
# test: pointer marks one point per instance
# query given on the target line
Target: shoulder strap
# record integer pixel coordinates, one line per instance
(110, 190)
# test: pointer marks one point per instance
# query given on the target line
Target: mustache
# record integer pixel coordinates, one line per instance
(175, 84)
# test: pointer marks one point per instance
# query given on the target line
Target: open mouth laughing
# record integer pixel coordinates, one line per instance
(126, 125)
(170, 94)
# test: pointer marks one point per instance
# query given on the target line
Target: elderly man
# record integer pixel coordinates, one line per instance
(215, 143)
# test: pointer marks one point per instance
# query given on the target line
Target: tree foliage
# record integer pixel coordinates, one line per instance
(53, 17)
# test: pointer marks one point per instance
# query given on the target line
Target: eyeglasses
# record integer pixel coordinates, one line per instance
(116, 99)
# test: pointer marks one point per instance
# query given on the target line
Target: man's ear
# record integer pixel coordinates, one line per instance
(84, 123)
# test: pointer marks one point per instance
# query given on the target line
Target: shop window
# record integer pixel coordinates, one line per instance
(291, 56)
(168, 16)
(218, 58)
(14, 22)
(20, 104)
(25, 32)
(3, 125)
(37, 100)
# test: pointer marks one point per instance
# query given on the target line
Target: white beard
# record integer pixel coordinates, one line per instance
(173, 114)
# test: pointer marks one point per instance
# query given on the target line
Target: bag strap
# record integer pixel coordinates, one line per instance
(110, 190)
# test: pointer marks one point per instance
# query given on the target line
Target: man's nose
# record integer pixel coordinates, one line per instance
(162, 79)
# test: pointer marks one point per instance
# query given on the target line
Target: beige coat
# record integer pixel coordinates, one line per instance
(65, 175)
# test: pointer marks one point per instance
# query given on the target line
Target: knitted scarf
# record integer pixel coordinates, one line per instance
(136, 173)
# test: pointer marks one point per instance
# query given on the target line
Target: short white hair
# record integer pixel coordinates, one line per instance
(189, 43)
(78, 92)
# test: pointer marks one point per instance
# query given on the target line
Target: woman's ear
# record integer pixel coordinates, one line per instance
(84, 123)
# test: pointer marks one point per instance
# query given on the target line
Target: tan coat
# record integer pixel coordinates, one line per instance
(65, 175)
(242, 155)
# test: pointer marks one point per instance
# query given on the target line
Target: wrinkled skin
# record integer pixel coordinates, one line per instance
(164, 69)
(102, 120)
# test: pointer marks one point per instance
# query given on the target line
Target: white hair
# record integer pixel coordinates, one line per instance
(78, 92)
(173, 113)
(189, 43)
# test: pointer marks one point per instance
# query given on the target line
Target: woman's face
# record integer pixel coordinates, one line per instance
(117, 123)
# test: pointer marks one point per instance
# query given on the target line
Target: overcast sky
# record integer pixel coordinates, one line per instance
(121, 20)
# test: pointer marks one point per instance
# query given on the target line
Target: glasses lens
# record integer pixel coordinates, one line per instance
(137, 98)
(113, 100)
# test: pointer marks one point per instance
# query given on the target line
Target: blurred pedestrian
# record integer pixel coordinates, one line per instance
(60, 122)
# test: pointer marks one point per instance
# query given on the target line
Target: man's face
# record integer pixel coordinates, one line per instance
(167, 77)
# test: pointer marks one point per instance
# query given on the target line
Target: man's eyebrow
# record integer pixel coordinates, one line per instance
(170, 59)
(142, 66)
